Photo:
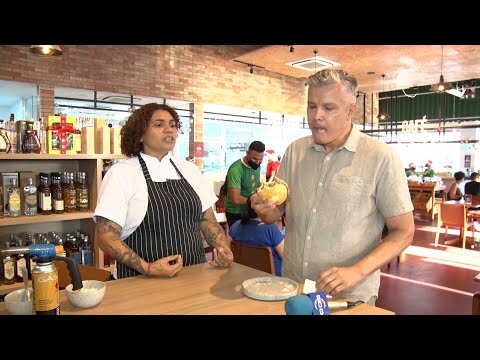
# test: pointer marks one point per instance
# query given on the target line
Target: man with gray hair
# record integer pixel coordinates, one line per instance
(344, 187)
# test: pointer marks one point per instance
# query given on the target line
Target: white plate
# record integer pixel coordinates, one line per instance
(270, 288)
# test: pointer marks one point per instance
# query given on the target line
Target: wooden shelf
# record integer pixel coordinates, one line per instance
(28, 220)
(59, 156)
(5, 289)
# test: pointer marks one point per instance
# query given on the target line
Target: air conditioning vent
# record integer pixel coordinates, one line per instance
(314, 63)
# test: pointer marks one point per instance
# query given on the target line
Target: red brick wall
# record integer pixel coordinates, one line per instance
(198, 73)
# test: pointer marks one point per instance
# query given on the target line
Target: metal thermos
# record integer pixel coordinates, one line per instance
(45, 288)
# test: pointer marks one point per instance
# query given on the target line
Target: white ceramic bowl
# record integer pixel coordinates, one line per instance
(89, 296)
(17, 305)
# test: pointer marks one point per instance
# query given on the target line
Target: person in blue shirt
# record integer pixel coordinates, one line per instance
(250, 230)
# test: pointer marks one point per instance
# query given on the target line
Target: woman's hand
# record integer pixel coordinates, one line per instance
(166, 267)
(222, 256)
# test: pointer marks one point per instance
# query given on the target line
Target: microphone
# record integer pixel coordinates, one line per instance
(298, 305)
(315, 304)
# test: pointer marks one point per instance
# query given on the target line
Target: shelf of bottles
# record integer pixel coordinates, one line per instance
(76, 244)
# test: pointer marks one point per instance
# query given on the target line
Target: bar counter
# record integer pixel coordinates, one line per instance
(200, 289)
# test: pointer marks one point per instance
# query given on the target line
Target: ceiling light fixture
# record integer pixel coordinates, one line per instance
(46, 50)
(383, 116)
(292, 49)
(442, 86)
(251, 69)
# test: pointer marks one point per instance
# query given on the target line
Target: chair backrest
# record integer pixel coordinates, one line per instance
(257, 257)
(86, 272)
(453, 214)
(475, 200)
(476, 303)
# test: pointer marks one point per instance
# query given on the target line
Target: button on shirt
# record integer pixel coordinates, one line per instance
(123, 195)
(336, 215)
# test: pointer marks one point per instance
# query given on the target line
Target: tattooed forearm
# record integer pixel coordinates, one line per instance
(108, 234)
(211, 230)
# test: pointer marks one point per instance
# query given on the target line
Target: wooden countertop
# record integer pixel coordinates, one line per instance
(199, 289)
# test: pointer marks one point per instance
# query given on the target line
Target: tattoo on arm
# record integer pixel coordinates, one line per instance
(212, 231)
(108, 232)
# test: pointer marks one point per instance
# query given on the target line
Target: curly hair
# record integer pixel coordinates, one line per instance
(136, 125)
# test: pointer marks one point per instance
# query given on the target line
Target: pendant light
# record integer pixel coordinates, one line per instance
(442, 86)
(383, 116)
(46, 50)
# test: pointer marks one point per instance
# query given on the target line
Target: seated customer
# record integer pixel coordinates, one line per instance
(250, 230)
(455, 193)
(473, 186)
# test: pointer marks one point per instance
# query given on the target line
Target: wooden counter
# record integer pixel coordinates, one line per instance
(199, 289)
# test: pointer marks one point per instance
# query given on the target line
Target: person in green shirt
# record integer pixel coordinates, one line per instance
(429, 172)
(411, 170)
(243, 178)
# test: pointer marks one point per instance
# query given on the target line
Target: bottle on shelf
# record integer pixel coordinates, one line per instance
(70, 195)
(30, 198)
(14, 197)
(82, 193)
(45, 195)
(12, 134)
(5, 145)
(30, 143)
(86, 251)
(42, 135)
(9, 267)
(58, 205)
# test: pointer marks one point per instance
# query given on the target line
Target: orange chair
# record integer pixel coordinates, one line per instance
(454, 215)
(257, 257)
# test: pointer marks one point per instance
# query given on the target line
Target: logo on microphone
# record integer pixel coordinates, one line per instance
(320, 303)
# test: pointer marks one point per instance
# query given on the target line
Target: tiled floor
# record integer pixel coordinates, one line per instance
(429, 280)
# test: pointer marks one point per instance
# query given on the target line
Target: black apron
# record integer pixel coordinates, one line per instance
(171, 224)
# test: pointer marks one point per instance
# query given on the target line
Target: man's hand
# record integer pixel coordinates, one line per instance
(336, 280)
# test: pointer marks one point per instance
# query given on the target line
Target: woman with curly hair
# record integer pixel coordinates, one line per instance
(152, 208)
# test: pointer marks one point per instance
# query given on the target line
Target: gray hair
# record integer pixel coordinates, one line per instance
(329, 76)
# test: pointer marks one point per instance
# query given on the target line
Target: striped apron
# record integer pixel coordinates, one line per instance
(171, 224)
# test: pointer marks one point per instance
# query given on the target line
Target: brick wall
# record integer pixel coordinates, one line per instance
(196, 73)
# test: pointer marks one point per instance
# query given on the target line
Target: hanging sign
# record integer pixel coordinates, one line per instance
(414, 126)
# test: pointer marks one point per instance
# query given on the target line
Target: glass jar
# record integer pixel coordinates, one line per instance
(30, 144)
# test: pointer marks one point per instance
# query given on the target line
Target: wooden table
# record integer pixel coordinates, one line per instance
(431, 191)
(199, 289)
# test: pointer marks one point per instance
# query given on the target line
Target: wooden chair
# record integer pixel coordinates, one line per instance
(476, 303)
(454, 215)
(257, 257)
(87, 273)
(475, 200)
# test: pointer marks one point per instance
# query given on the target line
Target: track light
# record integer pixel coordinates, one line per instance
(46, 50)
(292, 49)
(251, 69)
